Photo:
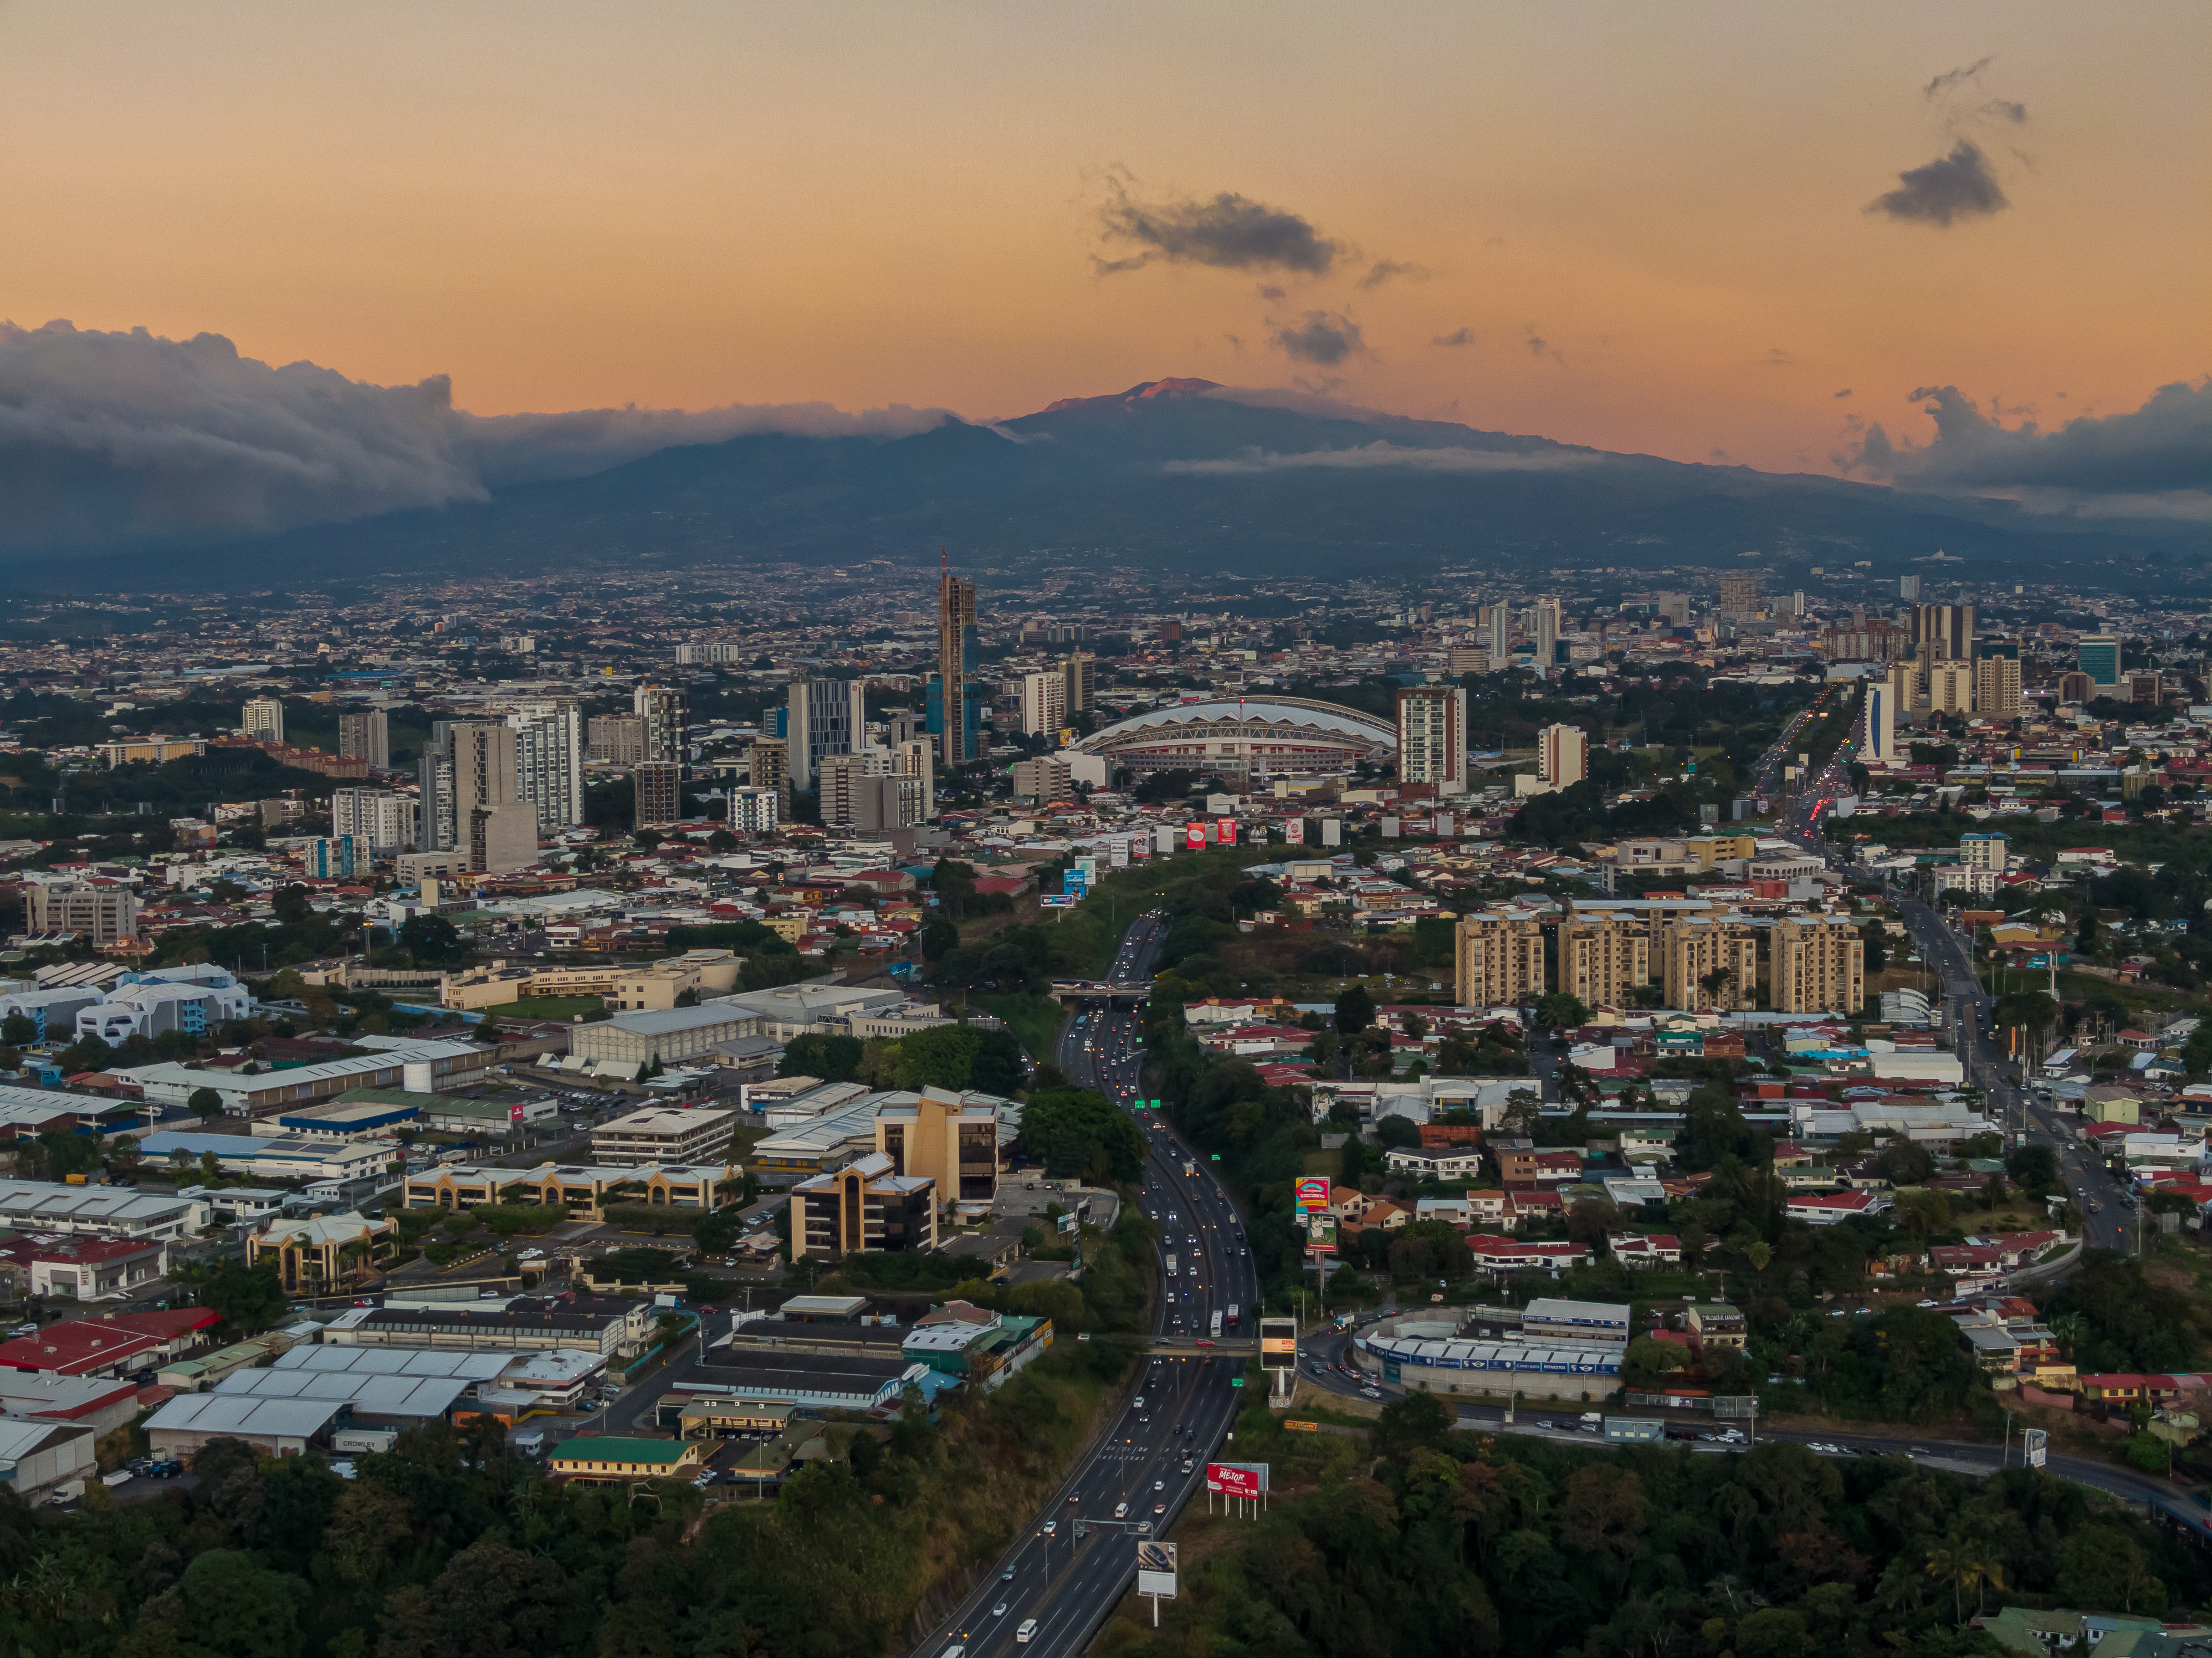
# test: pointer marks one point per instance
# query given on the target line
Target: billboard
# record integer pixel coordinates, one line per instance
(1294, 832)
(1194, 836)
(1313, 1193)
(1057, 899)
(1236, 1478)
(1088, 865)
(1321, 1234)
(1227, 828)
(1279, 1342)
(1156, 1568)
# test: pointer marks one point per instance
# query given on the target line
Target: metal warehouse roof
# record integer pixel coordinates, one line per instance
(376, 1395)
(475, 1366)
(231, 1414)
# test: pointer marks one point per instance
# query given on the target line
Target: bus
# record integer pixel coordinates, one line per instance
(1232, 1314)
(1189, 1170)
(1216, 1324)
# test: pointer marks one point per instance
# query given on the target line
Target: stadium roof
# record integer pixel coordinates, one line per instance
(1330, 716)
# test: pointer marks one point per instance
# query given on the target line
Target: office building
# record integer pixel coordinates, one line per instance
(1908, 587)
(1433, 738)
(1797, 603)
(2140, 687)
(501, 839)
(437, 802)
(754, 810)
(842, 778)
(1996, 688)
(1739, 597)
(824, 717)
(1906, 690)
(1547, 632)
(1602, 959)
(386, 821)
(2076, 687)
(1950, 687)
(1943, 633)
(1498, 961)
(1675, 610)
(664, 1133)
(956, 647)
(549, 758)
(1047, 778)
(912, 757)
(2098, 655)
(366, 736)
(667, 711)
(483, 764)
(1078, 672)
(263, 719)
(711, 653)
(98, 915)
(1878, 725)
(768, 765)
(1562, 756)
(616, 738)
(1819, 966)
(865, 1205)
(952, 1142)
(1044, 704)
(659, 785)
(1501, 636)
(904, 725)
(1708, 964)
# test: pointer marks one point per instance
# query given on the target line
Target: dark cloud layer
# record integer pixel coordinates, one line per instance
(1959, 185)
(1228, 232)
(108, 438)
(1323, 338)
(2163, 449)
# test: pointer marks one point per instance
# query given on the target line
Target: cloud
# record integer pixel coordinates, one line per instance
(1775, 357)
(1959, 185)
(1845, 392)
(1323, 338)
(1458, 337)
(1228, 232)
(1943, 84)
(1537, 344)
(1372, 456)
(2155, 460)
(1383, 270)
(2003, 109)
(1270, 293)
(112, 438)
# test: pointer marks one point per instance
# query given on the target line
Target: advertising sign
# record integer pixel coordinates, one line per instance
(1331, 831)
(1194, 836)
(1227, 830)
(1321, 1234)
(1156, 1568)
(1236, 1478)
(1292, 1425)
(1313, 1193)
(1087, 867)
(2035, 1442)
(1444, 821)
(1056, 900)
(1279, 1342)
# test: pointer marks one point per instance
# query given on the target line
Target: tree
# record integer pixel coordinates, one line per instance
(2101, 1566)
(999, 1064)
(204, 1102)
(1419, 1419)
(2085, 937)
(943, 1056)
(124, 1153)
(249, 1298)
(1646, 1362)
(939, 938)
(1080, 1136)
(1394, 1130)
(433, 941)
(832, 1059)
(1876, 937)
(1560, 1011)
(18, 1030)
(1923, 1212)
(1355, 1012)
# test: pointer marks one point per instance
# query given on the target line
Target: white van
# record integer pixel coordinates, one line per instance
(1027, 1630)
(954, 1652)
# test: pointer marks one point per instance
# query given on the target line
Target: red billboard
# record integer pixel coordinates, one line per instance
(1236, 1478)
(1228, 828)
(1194, 836)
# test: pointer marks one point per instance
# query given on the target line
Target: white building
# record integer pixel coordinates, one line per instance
(1562, 756)
(146, 1005)
(263, 718)
(389, 822)
(755, 812)
(549, 763)
(1044, 704)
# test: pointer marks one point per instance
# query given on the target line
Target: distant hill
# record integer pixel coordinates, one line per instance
(1180, 474)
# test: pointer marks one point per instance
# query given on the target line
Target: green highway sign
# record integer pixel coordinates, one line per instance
(1236, 1381)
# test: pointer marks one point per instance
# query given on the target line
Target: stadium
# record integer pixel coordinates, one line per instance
(1246, 740)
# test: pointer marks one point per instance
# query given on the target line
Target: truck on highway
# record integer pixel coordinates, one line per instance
(1171, 1266)
(1216, 1324)
(1232, 1314)
(1189, 1169)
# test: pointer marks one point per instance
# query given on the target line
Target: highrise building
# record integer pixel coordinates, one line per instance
(1433, 738)
(1996, 688)
(618, 739)
(1908, 587)
(1675, 610)
(1041, 780)
(1739, 597)
(2076, 687)
(1878, 725)
(754, 810)
(1950, 687)
(485, 769)
(660, 789)
(903, 725)
(1044, 703)
(1547, 632)
(913, 758)
(1709, 963)
(1603, 959)
(263, 719)
(825, 717)
(1797, 603)
(501, 838)
(434, 776)
(548, 753)
(1943, 633)
(386, 821)
(366, 736)
(1501, 635)
(1498, 961)
(2098, 655)
(956, 639)
(667, 711)
(100, 915)
(1819, 966)
(842, 777)
(1562, 756)
(769, 765)
(1079, 670)
(1904, 688)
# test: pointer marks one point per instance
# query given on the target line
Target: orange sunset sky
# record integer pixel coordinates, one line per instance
(1648, 224)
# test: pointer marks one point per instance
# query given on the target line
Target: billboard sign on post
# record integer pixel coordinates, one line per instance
(1156, 1568)
(1294, 832)
(1313, 1193)
(1321, 1234)
(1227, 828)
(1194, 835)
(1236, 1478)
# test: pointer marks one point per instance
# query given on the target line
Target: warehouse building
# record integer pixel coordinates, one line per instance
(111, 1211)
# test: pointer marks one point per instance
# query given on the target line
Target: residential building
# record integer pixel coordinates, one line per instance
(1433, 738)
(1547, 632)
(386, 821)
(502, 838)
(1047, 778)
(661, 1133)
(842, 779)
(1990, 851)
(947, 1137)
(1500, 637)
(768, 765)
(100, 915)
(2098, 655)
(263, 719)
(1716, 1325)
(1603, 960)
(754, 810)
(659, 787)
(1739, 597)
(1908, 587)
(150, 751)
(484, 766)
(1950, 686)
(1996, 688)
(1497, 960)
(825, 717)
(866, 1205)
(1708, 963)
(366, 736)
(913, 757)
(891, 802)
(1904, 689)
(436, 804)
(667, 711)
(1078, 676)
(1562, 756)
(955, 648)
(1819, 966)
(336, 857)
(549, 758)
(616, 738)
(1943, 633)
(1044, 704)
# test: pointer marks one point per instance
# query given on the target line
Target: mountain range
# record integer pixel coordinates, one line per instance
(1182, 474)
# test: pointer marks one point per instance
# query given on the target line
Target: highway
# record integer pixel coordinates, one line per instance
(1150, 1462)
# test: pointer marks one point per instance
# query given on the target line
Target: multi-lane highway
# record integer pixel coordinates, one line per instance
(1050, 1591)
